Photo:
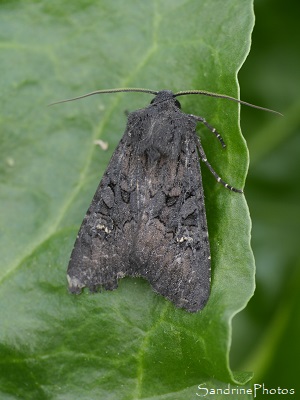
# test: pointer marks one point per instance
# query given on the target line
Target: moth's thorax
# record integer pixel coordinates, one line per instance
(159, 129)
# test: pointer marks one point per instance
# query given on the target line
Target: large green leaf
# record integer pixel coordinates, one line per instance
(130, 343)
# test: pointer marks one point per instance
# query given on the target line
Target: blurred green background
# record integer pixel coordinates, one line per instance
(266, 334)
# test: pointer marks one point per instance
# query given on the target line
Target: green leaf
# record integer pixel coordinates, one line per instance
(130, 343)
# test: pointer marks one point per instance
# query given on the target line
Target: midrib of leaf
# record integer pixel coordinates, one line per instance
(140, 371)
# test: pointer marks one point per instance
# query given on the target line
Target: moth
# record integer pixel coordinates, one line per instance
(147, 218)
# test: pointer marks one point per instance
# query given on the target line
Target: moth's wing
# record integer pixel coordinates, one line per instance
(101, 251)
(172, 245)
(147, 219)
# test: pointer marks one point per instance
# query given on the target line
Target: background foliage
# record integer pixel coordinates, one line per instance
(266, 335)
(117, 345)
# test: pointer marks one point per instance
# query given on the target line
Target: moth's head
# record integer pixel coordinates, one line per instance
(165, 95)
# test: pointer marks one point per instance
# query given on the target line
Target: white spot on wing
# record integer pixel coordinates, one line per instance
(74, 282)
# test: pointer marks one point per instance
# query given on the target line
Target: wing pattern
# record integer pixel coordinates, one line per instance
(147, 217)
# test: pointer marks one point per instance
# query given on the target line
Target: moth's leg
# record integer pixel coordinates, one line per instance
(218, 178)
(211, 128)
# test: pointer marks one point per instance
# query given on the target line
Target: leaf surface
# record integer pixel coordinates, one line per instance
(130, 343)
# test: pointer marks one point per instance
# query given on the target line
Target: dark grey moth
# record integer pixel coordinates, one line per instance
(147, 218)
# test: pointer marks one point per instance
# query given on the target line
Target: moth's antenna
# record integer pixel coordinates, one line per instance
(224, 96)
(155, 92)
(107, 91)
